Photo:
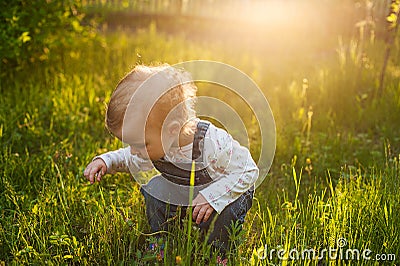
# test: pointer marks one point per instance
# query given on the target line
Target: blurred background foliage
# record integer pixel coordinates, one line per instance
(32, 30)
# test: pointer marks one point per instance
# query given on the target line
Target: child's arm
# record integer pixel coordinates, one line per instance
(115, 161)
(230, 165)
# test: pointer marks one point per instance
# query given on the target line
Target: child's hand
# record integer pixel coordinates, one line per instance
(202, 209)
(95, 170)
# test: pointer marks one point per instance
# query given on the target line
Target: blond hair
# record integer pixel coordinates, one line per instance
(179, 97)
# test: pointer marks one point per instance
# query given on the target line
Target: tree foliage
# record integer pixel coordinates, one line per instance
(30, 30)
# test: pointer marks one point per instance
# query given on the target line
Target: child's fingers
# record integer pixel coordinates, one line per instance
(201, 214)
(94, 171)
(99, 175)
(101, 172)
(197, 207)
(92, 174)
(208, 214)
(86, 172)
(196, 210)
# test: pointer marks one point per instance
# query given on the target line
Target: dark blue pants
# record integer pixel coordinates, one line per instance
(158, 212)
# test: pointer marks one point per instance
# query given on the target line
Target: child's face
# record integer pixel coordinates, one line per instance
(151, 144)
(151, 147)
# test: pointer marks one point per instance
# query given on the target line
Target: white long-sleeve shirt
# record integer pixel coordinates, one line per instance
(229, 164)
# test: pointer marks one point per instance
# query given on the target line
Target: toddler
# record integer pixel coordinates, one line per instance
(152, 111)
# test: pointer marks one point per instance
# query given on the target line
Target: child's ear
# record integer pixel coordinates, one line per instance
(174, 128)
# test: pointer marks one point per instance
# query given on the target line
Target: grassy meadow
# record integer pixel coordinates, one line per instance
(335, 175)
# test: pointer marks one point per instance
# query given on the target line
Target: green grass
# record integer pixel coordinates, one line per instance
(335, 174)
